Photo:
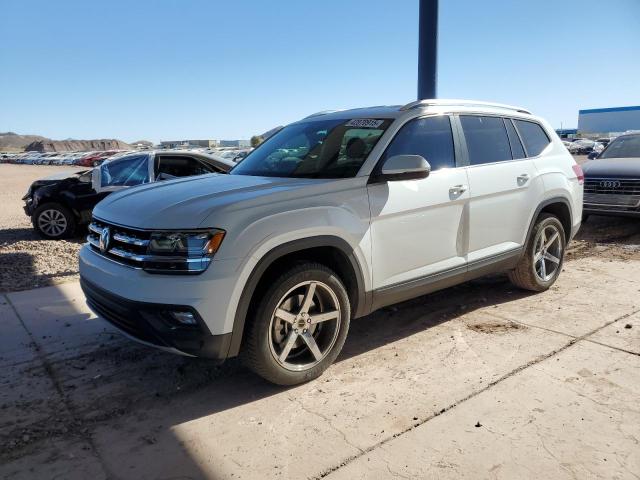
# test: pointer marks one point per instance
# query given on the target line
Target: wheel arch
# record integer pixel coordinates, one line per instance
(558, 206)
(332, 251)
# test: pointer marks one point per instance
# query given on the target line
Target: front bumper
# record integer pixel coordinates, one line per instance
(150, 324)
(610, 211)
(29, 207)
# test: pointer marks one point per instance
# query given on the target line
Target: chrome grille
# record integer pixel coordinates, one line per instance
(126, 245)
(612, 192)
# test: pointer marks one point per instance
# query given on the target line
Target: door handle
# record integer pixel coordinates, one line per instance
(457, 190)
(523, 178)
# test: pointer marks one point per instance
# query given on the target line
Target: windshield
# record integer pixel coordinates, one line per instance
(623, 147)
(315, 149)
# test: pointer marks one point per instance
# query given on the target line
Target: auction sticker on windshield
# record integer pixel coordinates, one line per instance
(364, 123)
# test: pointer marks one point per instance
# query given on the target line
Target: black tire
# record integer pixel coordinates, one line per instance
(525, 275)
(258, 348)
(585, 217)
(58, 211)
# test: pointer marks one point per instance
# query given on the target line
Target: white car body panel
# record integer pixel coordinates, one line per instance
(502, 197)
(418, 227)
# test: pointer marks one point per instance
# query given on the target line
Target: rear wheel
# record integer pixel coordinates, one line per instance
(299, 327)
(541, 264)
(54, 221)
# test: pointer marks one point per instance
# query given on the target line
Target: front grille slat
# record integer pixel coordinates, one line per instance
(127, 245)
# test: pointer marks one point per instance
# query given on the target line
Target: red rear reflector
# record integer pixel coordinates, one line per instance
(579, 173)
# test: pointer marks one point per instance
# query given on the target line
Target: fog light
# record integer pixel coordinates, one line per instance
(185, 318)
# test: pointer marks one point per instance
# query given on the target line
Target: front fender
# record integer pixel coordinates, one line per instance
(270, 238)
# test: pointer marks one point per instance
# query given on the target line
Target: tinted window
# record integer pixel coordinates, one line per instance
(179, 166)
(429, 137)
(127, 171)
(533, 136)
(516, 145)
(486, 138)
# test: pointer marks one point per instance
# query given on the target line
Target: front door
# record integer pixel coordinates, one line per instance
(419, 227)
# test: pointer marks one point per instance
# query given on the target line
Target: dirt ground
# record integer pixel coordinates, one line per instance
(476, 381)
(27, 261)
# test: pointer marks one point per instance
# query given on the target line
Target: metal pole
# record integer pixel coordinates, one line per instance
(427, 49)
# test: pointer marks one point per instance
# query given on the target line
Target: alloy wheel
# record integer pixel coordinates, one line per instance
(547, 253)
(52, 222)
(304, 326)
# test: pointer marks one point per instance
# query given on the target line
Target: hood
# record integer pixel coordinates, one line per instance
(61, 176)
(612, 168)
(186, 203)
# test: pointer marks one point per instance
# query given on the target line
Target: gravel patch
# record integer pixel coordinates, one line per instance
(26, 260)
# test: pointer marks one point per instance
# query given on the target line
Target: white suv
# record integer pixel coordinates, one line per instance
(331, 218)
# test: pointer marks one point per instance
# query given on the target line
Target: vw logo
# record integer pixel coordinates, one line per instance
(105, 238)
(610, 184)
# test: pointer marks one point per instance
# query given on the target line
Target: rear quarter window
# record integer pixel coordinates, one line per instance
(533, 136)
(487, 140)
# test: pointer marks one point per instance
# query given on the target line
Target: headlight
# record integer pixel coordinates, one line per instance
(182, 252)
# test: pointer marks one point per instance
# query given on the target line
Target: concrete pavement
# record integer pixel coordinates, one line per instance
(552, 382)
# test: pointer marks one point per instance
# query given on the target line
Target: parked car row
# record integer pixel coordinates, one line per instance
(584, 146)
(93, 159)
(84, 159)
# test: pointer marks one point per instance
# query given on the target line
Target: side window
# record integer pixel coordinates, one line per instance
(534, 138)
(516, 145)
(430, 137)
(179, 166)
(486, 139)
(125, 172)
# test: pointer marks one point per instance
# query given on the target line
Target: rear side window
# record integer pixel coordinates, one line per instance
(534, 138)
(429, 137)
(516, 145)
(180, 166)
(486, 138)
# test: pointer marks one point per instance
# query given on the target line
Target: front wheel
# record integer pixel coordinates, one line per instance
(299, 326)
(54, 221)
(541, 263)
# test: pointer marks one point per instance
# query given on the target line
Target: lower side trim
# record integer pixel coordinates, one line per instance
(447, 278)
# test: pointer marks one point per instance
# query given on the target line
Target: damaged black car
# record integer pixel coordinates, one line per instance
(60, 204)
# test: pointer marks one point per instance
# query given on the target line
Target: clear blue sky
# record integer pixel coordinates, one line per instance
(169, 69)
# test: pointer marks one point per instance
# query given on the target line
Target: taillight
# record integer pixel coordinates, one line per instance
(577, 169)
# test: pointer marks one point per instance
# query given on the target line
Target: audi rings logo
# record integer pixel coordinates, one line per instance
(610, 184)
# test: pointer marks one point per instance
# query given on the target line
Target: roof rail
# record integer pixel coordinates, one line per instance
(323, 112)
(461, 103)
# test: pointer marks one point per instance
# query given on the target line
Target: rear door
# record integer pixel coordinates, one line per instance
(504, 186)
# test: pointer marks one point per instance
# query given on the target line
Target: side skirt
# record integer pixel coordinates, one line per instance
(447, 278)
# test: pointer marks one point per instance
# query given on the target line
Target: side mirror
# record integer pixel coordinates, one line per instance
(405, 167)
(593, 155)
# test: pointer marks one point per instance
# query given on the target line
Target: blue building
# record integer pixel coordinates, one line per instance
(607, 120)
